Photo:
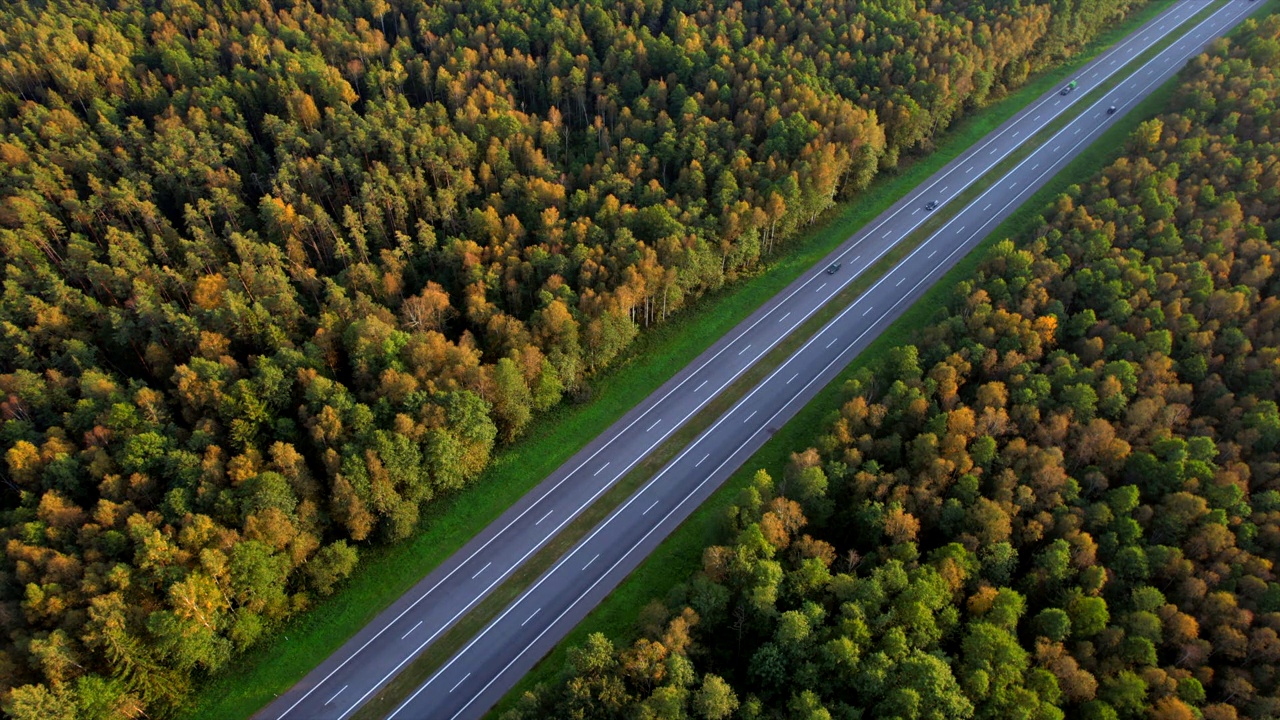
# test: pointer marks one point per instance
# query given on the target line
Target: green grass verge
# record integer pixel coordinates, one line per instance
(681, 553)
(388, 572)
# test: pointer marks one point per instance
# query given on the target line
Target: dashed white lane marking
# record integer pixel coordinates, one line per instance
(1035, 119)
(704, 459)
(1013, 186)
(654, 425)
(1016, 133)
(833, 342)
(335, 695)
(969, 170)
(868, 310)
(1036, 166)
(748, 418)
(1077, 132)
(784, 317)
(993, 151)
(544, 517)
(887, 233)
(793, 377)
(584, 567)
(935, 252)
(904, 277)
(602, 467)
(744, 349)
(415, 627)
(856, 258)
(704, 382)
(646, 512)
(486, 567)
(820, 287)
(464, 678)
(988, 207)
(961, 229)
(526, 622)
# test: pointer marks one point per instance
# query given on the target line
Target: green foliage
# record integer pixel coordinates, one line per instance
(1035, 512)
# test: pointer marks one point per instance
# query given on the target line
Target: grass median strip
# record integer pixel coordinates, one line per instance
(388, 572)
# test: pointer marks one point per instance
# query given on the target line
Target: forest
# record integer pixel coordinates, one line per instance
(1063, 501)
(278, 274)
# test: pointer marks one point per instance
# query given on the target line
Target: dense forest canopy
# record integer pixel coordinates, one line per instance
(277, 273)
(1064, 502)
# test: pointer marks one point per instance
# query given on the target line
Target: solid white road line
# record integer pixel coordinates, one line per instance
(415, 627)
(602, 467)
(486, 567)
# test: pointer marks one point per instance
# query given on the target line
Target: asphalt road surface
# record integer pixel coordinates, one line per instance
(477, 677)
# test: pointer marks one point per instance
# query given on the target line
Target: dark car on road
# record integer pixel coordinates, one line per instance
(1067, 90)
(931, 205)
(832, 268)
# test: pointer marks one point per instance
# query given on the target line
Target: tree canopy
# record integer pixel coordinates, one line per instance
(1062, 502)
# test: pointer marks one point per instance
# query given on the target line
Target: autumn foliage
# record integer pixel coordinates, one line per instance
(279, 274)
(1064, 502)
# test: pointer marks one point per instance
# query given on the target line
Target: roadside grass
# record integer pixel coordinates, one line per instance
(388, 572)
(681, 553)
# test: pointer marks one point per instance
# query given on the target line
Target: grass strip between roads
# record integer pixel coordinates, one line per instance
(681, 553)
(386, 573)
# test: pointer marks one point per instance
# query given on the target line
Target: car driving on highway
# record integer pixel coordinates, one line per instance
(1070, 86)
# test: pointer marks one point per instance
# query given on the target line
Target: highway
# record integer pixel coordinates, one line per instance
(470, 682)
